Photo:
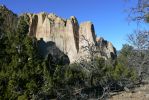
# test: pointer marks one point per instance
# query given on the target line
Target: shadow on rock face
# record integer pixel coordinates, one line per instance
(50, 51)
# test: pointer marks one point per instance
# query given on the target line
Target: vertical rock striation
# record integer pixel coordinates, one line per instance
(67, 34)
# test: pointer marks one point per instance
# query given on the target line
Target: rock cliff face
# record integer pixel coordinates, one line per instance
(67, 35)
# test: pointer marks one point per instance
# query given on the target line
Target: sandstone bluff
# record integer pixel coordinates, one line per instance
(67, 35)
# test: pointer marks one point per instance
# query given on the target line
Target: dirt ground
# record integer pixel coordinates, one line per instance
(140, 93)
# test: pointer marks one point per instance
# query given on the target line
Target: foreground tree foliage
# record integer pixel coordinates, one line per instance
(139, 40)
(20, 70)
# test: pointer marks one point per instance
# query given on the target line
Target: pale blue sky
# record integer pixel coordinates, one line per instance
(108, 16)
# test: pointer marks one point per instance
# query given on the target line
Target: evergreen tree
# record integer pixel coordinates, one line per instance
(22, 74)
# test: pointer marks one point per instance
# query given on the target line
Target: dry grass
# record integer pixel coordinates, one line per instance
(141, 93)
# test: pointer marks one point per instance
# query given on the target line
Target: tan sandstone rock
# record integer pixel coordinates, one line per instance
(67, 34)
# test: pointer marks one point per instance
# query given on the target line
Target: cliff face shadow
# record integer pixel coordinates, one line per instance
(47, 49)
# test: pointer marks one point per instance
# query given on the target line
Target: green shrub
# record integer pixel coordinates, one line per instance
(22, 97)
